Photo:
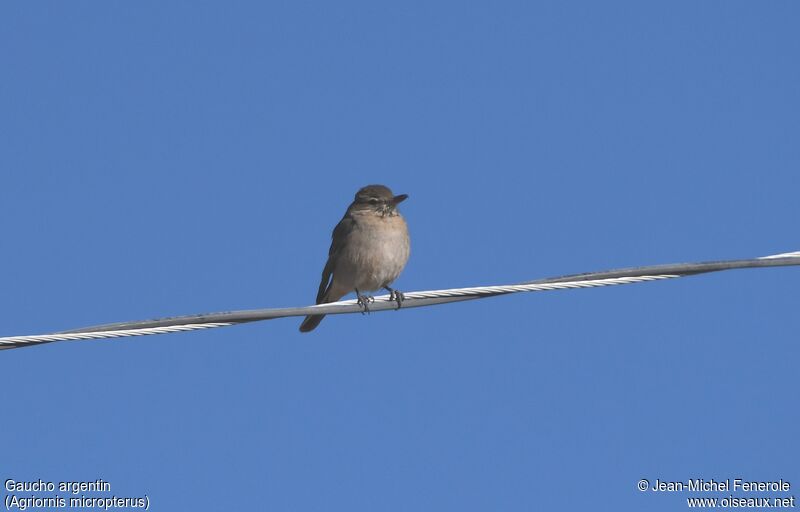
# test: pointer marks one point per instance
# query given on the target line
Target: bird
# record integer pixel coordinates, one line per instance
(370, 247)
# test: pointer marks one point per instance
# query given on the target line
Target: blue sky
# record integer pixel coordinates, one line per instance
(163, 158)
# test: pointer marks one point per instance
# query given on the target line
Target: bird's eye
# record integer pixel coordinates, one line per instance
(373, 201)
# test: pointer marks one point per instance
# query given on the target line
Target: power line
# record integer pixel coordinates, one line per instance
(412, 300)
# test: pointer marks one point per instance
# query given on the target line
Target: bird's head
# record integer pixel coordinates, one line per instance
(377, 198)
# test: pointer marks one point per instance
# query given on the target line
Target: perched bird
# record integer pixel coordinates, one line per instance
(370, 247)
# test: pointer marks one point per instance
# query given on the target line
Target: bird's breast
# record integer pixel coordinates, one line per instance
(375, 253)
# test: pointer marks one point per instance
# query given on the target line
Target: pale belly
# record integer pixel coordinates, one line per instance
(375, 253)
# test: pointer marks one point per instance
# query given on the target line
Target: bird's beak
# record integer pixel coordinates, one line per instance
(399, 199)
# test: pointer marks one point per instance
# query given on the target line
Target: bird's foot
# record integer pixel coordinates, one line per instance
(364, 301)
(397, 296)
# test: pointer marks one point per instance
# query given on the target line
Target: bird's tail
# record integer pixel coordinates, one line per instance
(312, 321)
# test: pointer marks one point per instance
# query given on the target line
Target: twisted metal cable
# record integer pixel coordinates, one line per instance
(412, 300)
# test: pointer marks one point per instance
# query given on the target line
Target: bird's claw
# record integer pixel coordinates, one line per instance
(397, 296)
(364, 301)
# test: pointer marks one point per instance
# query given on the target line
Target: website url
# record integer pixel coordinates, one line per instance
(732, 502)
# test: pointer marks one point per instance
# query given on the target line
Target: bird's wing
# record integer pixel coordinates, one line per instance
(338, 239)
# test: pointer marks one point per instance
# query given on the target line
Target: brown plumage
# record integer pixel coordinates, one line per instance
(369, 248)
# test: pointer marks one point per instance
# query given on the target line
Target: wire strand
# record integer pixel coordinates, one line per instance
(412, 300)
